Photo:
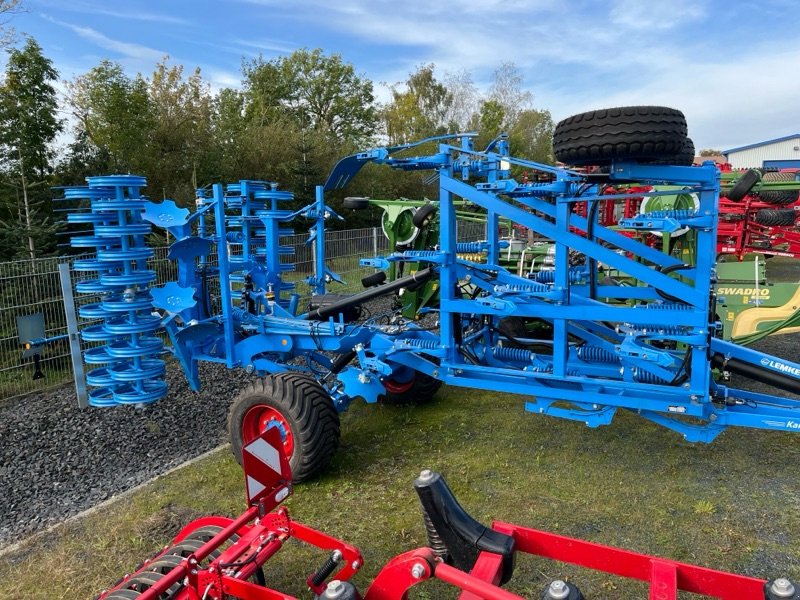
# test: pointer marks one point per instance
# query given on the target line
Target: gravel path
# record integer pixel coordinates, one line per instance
(57, 460)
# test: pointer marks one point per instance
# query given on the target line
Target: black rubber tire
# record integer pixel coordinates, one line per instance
(123, 595)
(355, 203)
(776, 218)
(684, 158)
(376, 278)
(309, 412)
(423, 216)
(779, 197)
(743, 186)
(643, 133)
(422, 390)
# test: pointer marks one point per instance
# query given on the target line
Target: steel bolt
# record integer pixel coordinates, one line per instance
(418, 570)
(356, 565)
(558, 590)
(782, 588)
(426, 475)
(334, 589)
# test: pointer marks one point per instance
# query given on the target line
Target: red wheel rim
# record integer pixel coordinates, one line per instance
(260, 418)
(395, 387)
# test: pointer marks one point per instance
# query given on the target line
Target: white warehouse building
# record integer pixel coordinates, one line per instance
(780, 153)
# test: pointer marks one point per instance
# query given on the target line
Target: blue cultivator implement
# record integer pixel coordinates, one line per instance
(649, 347)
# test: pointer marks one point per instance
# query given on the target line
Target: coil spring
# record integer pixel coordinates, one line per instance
(667, 306)
(515, 354)
(647, 377)
(660, 328)
(678, 214)
(421, 344)
(576, 274)
(470, 247)
(435, 541)
(514, 288)
(421, 253)
(125, 339)
(596, 354)
(328, 567)
(242, 315)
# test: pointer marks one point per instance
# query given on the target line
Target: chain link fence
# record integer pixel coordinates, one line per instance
(30, 287)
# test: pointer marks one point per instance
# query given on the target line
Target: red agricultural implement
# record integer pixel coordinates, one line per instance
(216, 558)
(761, 219)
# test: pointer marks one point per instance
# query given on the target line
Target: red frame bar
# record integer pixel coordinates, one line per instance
(625, 563)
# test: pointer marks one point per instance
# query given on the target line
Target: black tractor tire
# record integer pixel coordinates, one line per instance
(377, 278)
(303, 406)
(642, 133)
(420, 390)
(424, 215)
(684, 158)
(743, 186)
(779, 197)
(776, 218)
(355, 203)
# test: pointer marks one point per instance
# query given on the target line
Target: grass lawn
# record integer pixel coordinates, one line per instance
(731, 505)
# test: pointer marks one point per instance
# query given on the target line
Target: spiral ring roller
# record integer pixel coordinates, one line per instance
(272, 217)
(124, 349)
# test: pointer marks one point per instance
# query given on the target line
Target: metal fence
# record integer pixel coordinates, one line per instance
(32, 286)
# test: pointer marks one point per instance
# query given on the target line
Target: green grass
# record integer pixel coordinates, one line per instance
(732, 505)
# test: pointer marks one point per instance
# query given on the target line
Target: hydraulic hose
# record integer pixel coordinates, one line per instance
(751, 371)
(330, 310)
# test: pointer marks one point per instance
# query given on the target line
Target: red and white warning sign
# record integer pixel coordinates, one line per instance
(266, 468)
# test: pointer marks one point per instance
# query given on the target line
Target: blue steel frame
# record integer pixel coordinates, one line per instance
(646, 348)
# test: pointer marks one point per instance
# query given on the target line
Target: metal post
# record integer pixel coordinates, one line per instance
(224, 273)
(375, 242)
(73, 335)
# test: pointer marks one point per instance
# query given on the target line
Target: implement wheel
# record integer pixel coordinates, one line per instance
(776, 218)
(410, 387)
(743, 186)
(642, 133)
(300, 409)
(779, 197)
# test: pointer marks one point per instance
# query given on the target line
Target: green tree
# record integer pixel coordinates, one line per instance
(28, 126)
(115, 112)
(180, 135)
(531, 136)
(419, 107)
(491, 121)
(710, 152)
(318, 92)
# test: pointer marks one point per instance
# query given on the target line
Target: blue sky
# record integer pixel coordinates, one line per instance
(733, 67)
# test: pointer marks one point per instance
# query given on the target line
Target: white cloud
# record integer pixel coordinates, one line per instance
(128, 50)
(655, 14)
(266, 45)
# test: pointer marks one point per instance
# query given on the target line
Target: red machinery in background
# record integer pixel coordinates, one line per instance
(218, 558)
(758, 215)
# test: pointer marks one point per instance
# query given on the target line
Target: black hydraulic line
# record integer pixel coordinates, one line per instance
(342, 361)
(591, 216)
(756, 372)
(666, 271)
(330, 310)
